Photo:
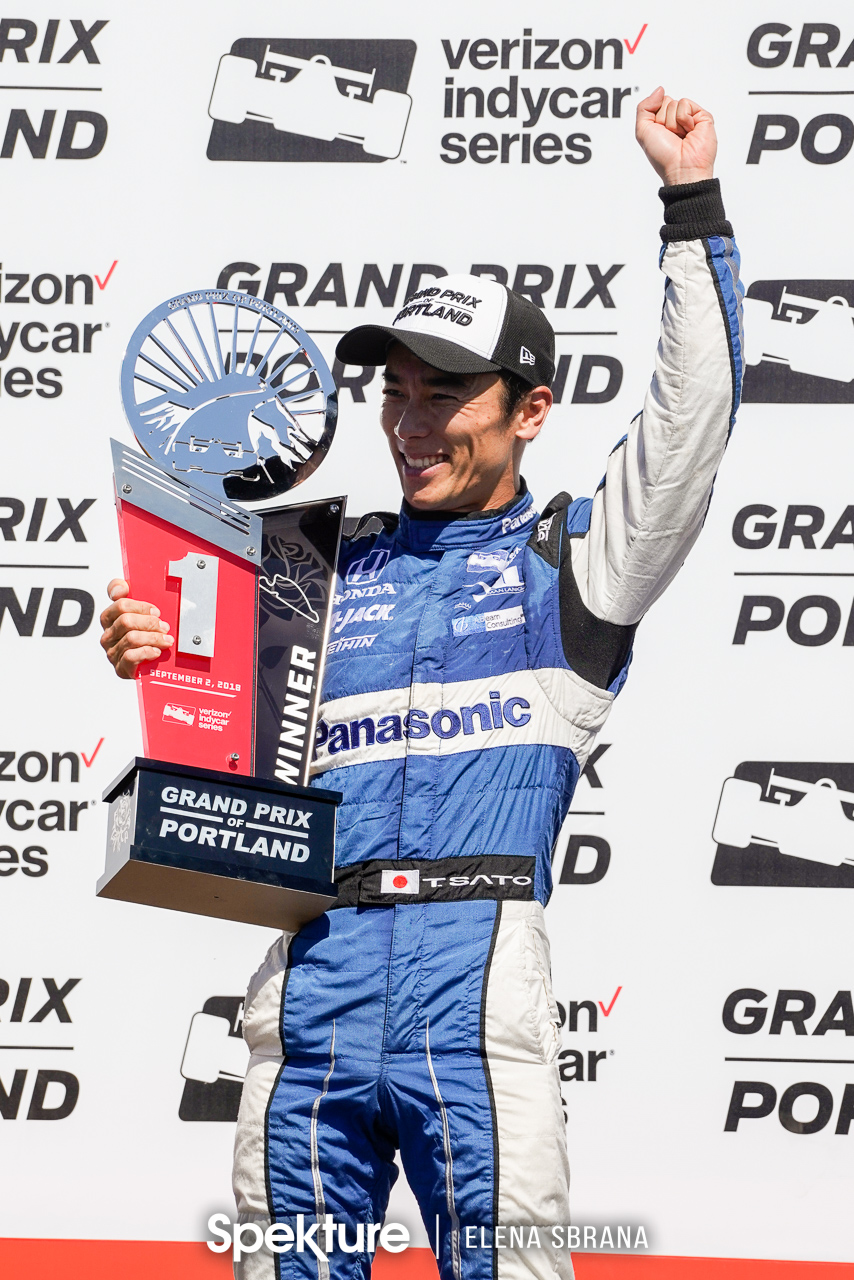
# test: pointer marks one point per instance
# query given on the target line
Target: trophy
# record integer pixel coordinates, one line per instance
(231, 401)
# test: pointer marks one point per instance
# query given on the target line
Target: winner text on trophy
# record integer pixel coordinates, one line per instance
(230, 400)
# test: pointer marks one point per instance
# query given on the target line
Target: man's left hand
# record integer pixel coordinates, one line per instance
(678, 138)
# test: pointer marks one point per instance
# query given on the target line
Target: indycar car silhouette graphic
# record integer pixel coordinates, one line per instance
(801, 819)
(212, 1051)
(304, 96)
(809, 335)
(176, 711)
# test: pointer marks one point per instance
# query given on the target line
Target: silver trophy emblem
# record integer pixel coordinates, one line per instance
(227, 393)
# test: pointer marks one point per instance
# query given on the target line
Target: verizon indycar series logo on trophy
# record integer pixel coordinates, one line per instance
(799, 342)
(333, 100)
(787, 825)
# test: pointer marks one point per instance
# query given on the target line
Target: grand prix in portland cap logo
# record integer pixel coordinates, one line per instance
(786, 824)
(799, 342)
(314, 100)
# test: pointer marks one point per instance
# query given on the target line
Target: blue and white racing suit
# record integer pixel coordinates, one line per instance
(471, 663)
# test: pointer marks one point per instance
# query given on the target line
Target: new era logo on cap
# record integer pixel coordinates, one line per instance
(400, 881)
(463, 324)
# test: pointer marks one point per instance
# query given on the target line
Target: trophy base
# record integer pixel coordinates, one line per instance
(218, 844)
(208, 894)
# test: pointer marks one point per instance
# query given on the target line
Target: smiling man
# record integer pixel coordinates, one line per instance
(479, 645)
(457, 438)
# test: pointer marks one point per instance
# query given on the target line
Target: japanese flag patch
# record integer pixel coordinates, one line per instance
(399, 882)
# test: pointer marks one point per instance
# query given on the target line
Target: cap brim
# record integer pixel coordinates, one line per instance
(369, 344)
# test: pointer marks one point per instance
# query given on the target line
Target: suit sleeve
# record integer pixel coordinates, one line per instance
(650, 506)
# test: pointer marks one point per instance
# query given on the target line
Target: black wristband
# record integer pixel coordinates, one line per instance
(693, 210)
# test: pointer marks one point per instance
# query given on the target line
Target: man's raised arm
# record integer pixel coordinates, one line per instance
(650, 507)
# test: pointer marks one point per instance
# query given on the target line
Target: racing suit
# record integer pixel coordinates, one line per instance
(471, 663)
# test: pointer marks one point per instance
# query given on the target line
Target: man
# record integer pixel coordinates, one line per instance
(418, 1014)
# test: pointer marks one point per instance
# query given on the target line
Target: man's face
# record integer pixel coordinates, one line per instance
(449, 435)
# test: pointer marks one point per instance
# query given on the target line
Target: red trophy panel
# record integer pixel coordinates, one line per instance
(197, 702)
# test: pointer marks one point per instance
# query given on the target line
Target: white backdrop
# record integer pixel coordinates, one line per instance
(149, 215)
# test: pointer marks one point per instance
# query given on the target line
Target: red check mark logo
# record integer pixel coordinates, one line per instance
(631, 48)
(102, 284)
(601, 1005)
(88, 760)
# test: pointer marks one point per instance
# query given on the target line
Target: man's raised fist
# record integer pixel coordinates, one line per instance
(678, 138)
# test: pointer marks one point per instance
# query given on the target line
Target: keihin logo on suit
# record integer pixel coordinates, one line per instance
(315, 100)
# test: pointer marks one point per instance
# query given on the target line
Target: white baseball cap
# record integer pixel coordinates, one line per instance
(463, 324)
